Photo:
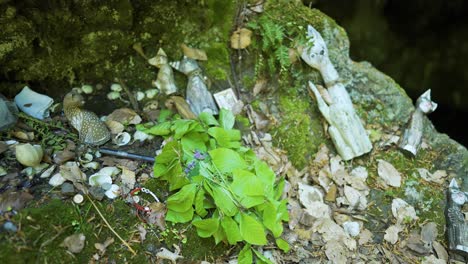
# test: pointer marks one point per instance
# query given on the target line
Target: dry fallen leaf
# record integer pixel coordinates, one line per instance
(125, 116)
(114, 126)
(102, 247)
(388, 173)
(391, 234)
(196, 54)
(74, 243)
(181, 106)
(241, 38)
(259, 86)
(65, 155)
(72, 172)
(14, 200)
(23, 135)
(402, 211)
(142, 231)
(157, 215)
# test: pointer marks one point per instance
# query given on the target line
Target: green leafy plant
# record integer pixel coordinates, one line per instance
(220, 186)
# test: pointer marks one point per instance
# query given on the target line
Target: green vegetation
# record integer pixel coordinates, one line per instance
(223, 189)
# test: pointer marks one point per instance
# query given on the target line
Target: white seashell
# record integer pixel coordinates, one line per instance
(29, 155)
(48, 172)
(140, 96)
(116, 87)
(113, 95)
(351, 228)
(86, 158)
(98, 179)
(122, 139)
(91, 165)
(97, 154)
(57, 180)
(87, 89)
(151, 93)
(113, 192)
(34, 104)
(77, 90)
(111, 171)
(29, 171)
(78, 198)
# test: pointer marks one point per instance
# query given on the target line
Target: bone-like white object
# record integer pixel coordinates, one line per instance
(34, 104)
(346, 129)
(413, 134)
(198, 96)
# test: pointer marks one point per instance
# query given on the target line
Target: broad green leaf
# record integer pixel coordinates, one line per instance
(246, 183)
(159, 170)
(181, 127)
(279, 188)
(183, 199)
(226, 138)
(219, 235)
(179, 217)
(251, 230)
(171, 151)
(223, 200)
(164, 114)
(176, 177)
(251, 201)
(161, 129)
(261, 259)
(272, 220)
(206, 227)
(265, 174)
(283, 210)
(282, 244)
(231, 229)
(199, 198)
(208, 119)
(227, 160)
(245, 255)
(226, 119)
(193, 141)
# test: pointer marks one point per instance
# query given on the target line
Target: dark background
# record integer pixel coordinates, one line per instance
(421, 44)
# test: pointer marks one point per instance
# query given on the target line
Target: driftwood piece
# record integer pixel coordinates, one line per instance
(346, 129)
(457, 222)
(411, 139)
(198, 96)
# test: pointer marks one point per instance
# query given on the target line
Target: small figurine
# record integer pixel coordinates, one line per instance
(198, 96)
(165, 81)
(91, 129)
(345, 127)
(457, 222)
(413, 133)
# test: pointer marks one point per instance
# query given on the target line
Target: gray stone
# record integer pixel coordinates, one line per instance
(97, 192)
(68, 189)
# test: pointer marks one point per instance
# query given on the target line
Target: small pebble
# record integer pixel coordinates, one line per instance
(68, 189)
(9, 226)
(97, 192)
(78, 198)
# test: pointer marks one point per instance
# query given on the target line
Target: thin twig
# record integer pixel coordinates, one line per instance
(130, 96)
(110, 227)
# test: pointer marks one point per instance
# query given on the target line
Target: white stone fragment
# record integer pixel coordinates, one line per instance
(57, 180)
(388, 173)
(433, 260)
(352, 228)
(113, 192)
(391, 234)
(402, 211)
(48, 172)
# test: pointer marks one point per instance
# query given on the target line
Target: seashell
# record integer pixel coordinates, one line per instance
(91, 165)
(29, 171)
(122, 139)
(113, 95)
(151, 93)
(87, 89)
(97, 154)
(111, 171)
(78, 198)
(3, 172)
(98, 179)
(113, 192)
(140, 96)
(33, 104)
(29, 155)
(86, 158)
(48, 172)
(77, 90)
(57, 180)
(116, 87)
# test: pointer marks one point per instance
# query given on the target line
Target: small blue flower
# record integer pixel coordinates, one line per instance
(190, 167)
(198, 155)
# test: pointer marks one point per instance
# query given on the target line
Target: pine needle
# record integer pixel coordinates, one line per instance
(110, 227)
